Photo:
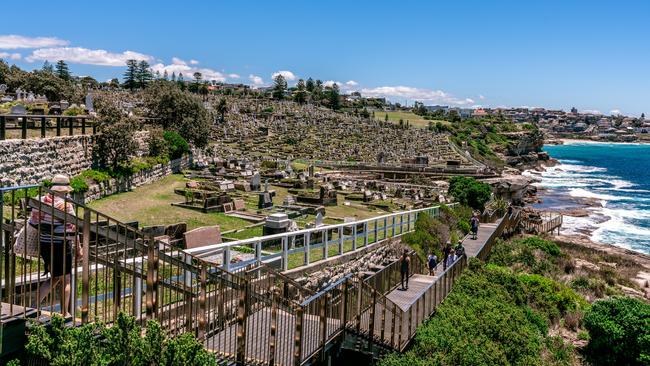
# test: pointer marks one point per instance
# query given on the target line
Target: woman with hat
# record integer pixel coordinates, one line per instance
(56, 238)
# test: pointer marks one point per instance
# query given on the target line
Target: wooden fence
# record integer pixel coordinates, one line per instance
(27, 125)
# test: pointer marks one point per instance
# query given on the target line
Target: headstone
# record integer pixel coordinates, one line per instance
(264, 200)
(239, 204)
(255, 182)
(319, 219)
(17, 109)
(64, 105)
(311, 171)
(3, 88)
(192, 184)
(89, 102)
(203, 236)
(30, 97)
(227, 207)
(266, 185)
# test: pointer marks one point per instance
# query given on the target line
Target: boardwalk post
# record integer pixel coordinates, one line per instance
(202, 299)
(24, 128)
(392, 326)
(43, 127)
(285, 253)
(323, 323)
(85, 268)
(241, 324)
(325, 241)
(307, 248)
(274, 326)
(399, 332)
(365, 234)
(152, 279)
(346, 291)
(83, 126)
(3, 128)
(341, 233)
(383, 318)
(297, 338)
(372, 318)
(58, 126)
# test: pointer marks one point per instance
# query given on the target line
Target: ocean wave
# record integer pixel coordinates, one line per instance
(619, 232)
(584, 193)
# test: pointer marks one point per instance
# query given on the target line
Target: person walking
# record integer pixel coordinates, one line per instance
(446, 252)
(474, 223)
(405, 268)
(56, 239)
(432, 262)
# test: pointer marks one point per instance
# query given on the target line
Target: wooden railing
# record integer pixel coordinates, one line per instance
(42, 126)
(550, 221)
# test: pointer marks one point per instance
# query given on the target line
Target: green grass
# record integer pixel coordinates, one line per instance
(151, 205)
(414, 119)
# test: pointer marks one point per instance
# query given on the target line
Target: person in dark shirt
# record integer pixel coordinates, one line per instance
(405, 267)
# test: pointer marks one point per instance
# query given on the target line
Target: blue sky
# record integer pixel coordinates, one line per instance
(594, 55)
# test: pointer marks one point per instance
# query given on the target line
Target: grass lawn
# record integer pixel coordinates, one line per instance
(151, 205)
(414, 119)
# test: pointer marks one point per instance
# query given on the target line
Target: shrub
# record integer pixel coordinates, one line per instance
(157, 144)
(123, 343)
(96, 175)
(468, 191)
(79, 184)
(177, 144)
(619, 332)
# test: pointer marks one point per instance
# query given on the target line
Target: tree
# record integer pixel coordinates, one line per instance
(300, 95)
(334, 97)
(386, 118)
(173, 75)
(642, 115)
(310, 85)
(144, 75)
(47, 67)
(177, 110)
(222, 108)
(470, 192)
(48, 84)
(619, 332)
(280, 87)
(165, 75)
(114, 83)
(114, 143)
(131, 74)
(62, 70)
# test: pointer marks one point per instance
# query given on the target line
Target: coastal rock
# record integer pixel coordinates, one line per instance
(513, 187)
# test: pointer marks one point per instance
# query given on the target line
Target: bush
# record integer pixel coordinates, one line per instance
(78, 184)
(619, 332)
(158, 144)
(468, 191)
(124, 343)
(176, 144)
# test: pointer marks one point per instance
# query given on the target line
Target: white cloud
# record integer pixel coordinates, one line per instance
(256, 80)
(419, 94)
(351, 83)
(330, 83)
(233, 76)
(288, 75)
(179, 66)
(10, 56)
(481, 97)
(86, 56)
(13, 41)
(194, 62)
(591, 111)
(615, 112)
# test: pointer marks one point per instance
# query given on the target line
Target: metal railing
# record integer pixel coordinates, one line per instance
(303, 247)
(549, 222)
(28, 125)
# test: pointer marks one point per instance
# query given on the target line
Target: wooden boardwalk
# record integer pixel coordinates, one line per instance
(485, 231)
(418, 285)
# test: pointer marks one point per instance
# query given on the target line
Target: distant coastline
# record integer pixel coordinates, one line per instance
(570, 141)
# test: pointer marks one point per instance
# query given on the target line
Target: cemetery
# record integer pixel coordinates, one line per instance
(208, 212)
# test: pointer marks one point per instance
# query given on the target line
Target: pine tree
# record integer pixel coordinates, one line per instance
(333, 97)
(131, 75)
(279, 87)
(62, 70)
(386, 118)
(144, 74)
(310, 85)
(48, 67)
(173, 75)
(165, 75)
(301, 95)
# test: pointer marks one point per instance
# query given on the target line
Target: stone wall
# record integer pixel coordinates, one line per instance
(33, 160)
(97, 191)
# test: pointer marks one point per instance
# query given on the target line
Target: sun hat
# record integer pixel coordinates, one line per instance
(61, 183)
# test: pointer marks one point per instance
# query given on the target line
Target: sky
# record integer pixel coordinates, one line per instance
(594, 55)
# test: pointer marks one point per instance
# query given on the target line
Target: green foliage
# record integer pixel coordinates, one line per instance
(157, 144)
(179, 111)
(619, 332)
(470, 192)
(490, 318)
(96, 175)
(78, 184)
(121, 344)
(546, 246)
(73, 111)
(176, 144)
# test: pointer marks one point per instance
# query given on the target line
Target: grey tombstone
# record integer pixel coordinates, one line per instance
(319, 219)
(30, 97)
(266, 185)
(255, 182)
(89, 102)
(18, 109)
(3, 88)
(64, 104)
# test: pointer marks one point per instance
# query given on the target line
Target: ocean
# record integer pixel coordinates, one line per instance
(609, 181)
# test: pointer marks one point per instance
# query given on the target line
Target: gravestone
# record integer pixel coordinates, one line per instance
(30, 97)
(64, 105)
(276, 223)
(89, 103)
(3, 88)
(203, 236)
(311, 171)
(18, 109)
(239, 204)
(255, 182)
(319, 219)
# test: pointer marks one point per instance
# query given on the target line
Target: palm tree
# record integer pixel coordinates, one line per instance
(222, 108)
